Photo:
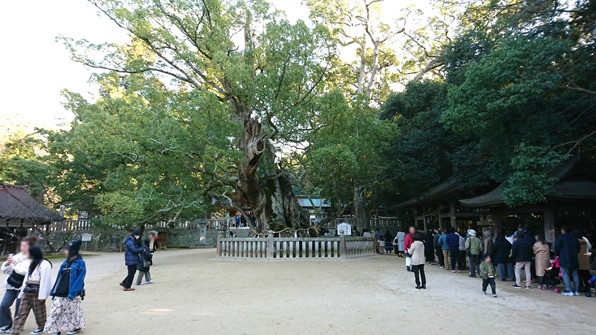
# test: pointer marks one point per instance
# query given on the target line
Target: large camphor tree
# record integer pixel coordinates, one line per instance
(239, 62)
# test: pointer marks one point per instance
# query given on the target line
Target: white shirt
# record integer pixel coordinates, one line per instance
(43, 275)
(21, 268)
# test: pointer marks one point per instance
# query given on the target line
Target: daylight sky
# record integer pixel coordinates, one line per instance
(35, 68)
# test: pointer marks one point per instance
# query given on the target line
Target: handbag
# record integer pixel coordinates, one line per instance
(408, 261)
(15, 280)
(31, 288)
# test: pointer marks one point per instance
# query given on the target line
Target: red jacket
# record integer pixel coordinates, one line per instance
(408, 242)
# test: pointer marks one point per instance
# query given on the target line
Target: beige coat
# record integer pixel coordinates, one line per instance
(584, 261)
(417, 252)
(542, 253)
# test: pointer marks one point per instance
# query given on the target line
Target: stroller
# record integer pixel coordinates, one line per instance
(552, 277)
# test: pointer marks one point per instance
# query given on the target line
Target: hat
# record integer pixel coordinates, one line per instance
(74, 246)
(136, 232)
(472, 232)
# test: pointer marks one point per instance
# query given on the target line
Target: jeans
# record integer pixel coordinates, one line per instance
(127, 282)
(419, 274)
(505, 271)
(474, 262)
(526, 266)
(9, 298)
(142, 274)
(565, 272)
(455, 259)
(491, 282)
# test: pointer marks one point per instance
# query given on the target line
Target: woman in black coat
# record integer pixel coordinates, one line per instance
(501, 255)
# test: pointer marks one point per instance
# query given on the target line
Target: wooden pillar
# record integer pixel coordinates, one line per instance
(270, 245)
(498, 223)
(439, 217)
(342, 246)
(549, 226)
(452, 215)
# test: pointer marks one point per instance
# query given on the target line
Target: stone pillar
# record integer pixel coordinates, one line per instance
(549, 226)
(342, 245)
(220, 235)
(270, 245)
(452, 215)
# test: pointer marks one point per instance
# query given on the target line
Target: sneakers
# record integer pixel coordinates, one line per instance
(5, 329)
(149, 282)
(528, 287)
(567, 293)
(576, 293)
(515, 286)
(484, 292)
(75, 331)
(494, 295)
(37, 331)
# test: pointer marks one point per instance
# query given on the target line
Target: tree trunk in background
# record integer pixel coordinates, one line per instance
(360, 215)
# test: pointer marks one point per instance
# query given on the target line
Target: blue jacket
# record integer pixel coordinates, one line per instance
(453, 241)
(567, 247)
(131, 251)
(443, 242)
(78, 270)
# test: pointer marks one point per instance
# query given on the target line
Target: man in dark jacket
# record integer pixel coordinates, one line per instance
(453, 243)
(131, 258)
(567, 247)
(501, 256)
(522, 253)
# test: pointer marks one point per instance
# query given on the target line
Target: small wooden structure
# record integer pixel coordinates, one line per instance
(19, 212)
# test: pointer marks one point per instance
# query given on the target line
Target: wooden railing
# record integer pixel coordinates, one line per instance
(294, 248)
(85, 224)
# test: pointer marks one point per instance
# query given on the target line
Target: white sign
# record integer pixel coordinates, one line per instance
(345, 228)
(86, 237)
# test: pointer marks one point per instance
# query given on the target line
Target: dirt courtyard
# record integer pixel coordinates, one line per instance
(195, 293)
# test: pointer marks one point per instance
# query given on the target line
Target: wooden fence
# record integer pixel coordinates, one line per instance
(86, 224)
(294, 248)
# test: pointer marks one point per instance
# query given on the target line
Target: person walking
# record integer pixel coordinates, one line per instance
(401, 236)
(453, 243)
(541, 259)
(131, 258)
(408, 240)
(66, 313)
(501, 255)
(567, 247)
(144, 265)
(474, 248)
(37, 287)
(488, 274)
(444, 248)
(16, 268)
(522, 253)
(417, 251)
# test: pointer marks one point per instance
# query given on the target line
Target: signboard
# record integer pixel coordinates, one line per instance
(86, 237)
(344, 227)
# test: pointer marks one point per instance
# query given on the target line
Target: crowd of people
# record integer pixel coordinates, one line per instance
(29, 284)
(514, 257)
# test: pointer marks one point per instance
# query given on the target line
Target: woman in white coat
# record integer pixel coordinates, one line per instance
(417, 252)
(36, 289)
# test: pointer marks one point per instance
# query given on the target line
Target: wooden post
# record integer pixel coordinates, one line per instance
(220, 235)
(439, 217)
(270, 245)
(342, 246)
(549, 226)
(452, 215)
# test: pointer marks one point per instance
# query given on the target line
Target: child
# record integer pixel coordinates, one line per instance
(144, 265)
(66, 315)
(488, 274)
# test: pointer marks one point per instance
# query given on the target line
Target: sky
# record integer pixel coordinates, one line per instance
(35, 68)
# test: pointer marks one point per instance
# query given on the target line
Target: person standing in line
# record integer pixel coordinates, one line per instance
(474, 247)
(488, 274)
(438, 249)
(522, 253)
(401, 236)
(388, 242)
(584, 264)
(542, 259)
(429, 251)
(16, 268)
(444, 248)
(453, 243)
(37, 287)
(568, 247)
(501, 255)
(417, 251)
(378, 238)
(462, 251)
(131, 258)
(66, 314)
(408, 240)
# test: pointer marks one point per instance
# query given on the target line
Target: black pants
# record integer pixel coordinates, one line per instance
(491, 282)
(455, 259)
(132, 269)
(439, 253)
(419, 274)
(584, 277)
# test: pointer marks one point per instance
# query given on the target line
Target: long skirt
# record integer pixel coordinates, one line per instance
(65, 315)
